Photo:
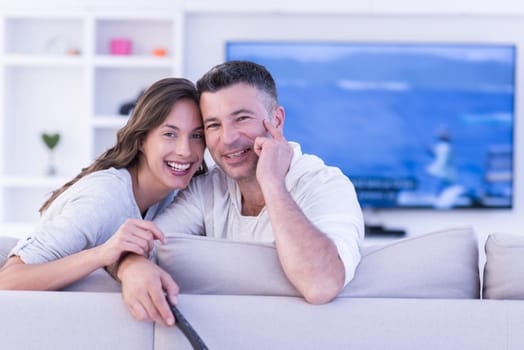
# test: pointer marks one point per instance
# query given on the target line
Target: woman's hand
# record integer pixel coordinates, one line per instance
(134, 236)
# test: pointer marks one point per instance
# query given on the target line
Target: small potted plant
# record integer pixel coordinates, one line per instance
(51, 141)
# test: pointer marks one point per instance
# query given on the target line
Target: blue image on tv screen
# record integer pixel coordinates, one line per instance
(412, 125)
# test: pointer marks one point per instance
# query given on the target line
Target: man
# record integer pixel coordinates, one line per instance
(263, 189)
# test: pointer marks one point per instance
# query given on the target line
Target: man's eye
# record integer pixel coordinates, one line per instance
(212, 126)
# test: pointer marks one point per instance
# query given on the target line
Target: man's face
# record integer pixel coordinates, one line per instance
(232, 120)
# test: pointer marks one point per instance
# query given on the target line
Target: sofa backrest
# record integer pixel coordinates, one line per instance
(66, 320)
(442, 264)
(259, 323)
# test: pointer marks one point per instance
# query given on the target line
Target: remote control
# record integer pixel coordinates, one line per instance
(187, 329)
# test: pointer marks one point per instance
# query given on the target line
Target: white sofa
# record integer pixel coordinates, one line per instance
(415, 293)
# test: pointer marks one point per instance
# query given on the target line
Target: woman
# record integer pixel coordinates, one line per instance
(105, 211)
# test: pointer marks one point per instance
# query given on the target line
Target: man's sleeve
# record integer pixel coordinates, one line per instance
(184, 214)
(330, 203)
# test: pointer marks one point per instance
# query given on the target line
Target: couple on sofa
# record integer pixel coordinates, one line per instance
(263, 189)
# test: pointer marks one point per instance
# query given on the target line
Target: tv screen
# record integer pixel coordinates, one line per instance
(413, 125)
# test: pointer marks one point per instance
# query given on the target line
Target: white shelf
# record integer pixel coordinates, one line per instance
(110, 122)
(57, 74)
(43, 60)
(32, 181)
(133, 61)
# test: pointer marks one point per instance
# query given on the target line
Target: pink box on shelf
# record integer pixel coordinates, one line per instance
(121, 46)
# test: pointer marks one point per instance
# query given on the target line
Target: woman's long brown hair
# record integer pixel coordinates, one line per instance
(151, 110)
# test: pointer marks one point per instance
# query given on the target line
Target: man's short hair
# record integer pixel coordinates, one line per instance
(234, 72)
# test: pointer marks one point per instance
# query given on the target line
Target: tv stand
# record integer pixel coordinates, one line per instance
(382, 231)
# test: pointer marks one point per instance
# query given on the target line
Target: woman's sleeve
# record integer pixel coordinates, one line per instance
(85, 219)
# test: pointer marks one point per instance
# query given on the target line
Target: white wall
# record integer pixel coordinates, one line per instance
(206, 35)
(210, 23)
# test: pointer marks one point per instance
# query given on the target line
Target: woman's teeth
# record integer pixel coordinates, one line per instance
(178, 166)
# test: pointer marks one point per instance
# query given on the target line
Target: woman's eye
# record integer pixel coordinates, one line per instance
(198, 136)
(170, 134)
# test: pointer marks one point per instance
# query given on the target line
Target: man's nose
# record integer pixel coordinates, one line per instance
(229, 134)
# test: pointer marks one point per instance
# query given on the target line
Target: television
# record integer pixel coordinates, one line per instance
(413, 125)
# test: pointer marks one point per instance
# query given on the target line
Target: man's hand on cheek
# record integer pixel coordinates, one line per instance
(275, 156)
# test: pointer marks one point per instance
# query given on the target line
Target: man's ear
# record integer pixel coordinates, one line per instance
(278, 117)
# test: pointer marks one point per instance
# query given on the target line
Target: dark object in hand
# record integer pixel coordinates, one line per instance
(183, 324)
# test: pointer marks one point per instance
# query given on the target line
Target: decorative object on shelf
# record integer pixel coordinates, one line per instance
(51, 141)
(127, 107)
(159, 52)
(121, 46)
(57, 45)
(73, 52)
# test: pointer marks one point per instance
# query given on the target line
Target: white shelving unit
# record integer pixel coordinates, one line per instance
(59, 76)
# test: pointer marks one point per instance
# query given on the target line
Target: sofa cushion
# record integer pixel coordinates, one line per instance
(98, 281)
(504, 268)
(203, 265)
(441, 264)
(6, 244)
